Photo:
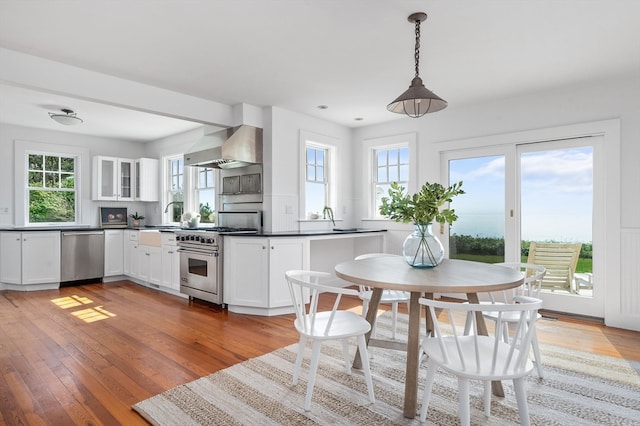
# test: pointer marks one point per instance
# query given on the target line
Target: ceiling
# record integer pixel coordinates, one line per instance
(353, 56)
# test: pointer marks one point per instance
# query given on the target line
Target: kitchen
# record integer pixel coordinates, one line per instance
(286, 127)
(156, 345)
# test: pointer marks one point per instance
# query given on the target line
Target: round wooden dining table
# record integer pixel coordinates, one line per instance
(451, 276)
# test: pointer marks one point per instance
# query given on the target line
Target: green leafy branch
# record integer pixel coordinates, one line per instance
(422, 207)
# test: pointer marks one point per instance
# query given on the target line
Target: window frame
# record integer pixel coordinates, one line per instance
(44, 188)
(190, 187)
(21, 160)
(370, 147)
(331, 145)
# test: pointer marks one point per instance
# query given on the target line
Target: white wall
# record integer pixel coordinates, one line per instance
(584, 103)
(54, 139)
(281, 169)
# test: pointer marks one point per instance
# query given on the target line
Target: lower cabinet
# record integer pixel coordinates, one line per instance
(113, 252)
(150, 264)
(254, 269)
(170, 262)
(30, 257)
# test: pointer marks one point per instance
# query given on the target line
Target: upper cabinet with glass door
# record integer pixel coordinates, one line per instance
(113, 179)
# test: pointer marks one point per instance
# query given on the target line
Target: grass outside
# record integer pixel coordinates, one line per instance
(584, 265)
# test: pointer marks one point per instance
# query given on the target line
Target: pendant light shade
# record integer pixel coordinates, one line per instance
(417, 100)
(69, 118)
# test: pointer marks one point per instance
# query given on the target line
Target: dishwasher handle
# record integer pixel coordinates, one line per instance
(69, 234)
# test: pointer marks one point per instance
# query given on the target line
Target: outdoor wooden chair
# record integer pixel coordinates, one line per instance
(560, 260)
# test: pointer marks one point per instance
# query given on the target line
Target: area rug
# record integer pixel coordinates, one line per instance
(579, 388)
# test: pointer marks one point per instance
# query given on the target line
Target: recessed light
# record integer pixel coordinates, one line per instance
(322, 107)
(358, 118)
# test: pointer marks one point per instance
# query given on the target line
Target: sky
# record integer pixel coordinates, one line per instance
(556, 202)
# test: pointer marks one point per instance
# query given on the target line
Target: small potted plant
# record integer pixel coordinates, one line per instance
(421, 249)
(136, 219)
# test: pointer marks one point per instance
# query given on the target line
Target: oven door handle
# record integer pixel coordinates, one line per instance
(198, 252)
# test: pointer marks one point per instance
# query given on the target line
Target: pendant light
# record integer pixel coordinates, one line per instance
(69, 118)
(417, 100)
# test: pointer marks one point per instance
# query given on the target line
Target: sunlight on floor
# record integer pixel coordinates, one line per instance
(87, 315)
(93, 314)
(71, 301)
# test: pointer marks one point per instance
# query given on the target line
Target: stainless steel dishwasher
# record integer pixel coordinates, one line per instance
(81, 255)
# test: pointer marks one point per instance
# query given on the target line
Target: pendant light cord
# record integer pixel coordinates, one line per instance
(417, 51)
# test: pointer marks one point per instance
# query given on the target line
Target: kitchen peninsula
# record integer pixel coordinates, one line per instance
(255, 264)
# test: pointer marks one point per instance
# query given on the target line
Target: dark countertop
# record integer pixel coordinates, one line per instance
(336, 231)
(52, 228)
(345, 231)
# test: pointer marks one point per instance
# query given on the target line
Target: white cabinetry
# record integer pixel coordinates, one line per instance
(112, 179)
(254, 269)
(11, 257)
(146, 179)
(30, 257)
(130, 260)
(149, 264)
(113, 252)
(170, 262)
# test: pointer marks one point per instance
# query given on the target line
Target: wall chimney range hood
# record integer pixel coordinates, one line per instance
(230, 148)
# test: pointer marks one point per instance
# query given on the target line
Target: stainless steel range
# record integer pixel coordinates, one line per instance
(201, 254)
(200, 264)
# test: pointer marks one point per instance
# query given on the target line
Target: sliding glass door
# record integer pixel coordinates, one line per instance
(535, 199)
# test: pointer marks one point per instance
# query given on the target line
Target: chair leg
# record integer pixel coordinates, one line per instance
(313, 368)
(467, 324)
(365, 307)
(463, 395)
(296, 371)
(426, 397)
(536, 354)
(345, 353)
(487, 398)
(521, 397)
(364, 358)
(394, 313)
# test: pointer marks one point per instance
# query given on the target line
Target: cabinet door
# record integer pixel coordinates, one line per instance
(146, 179)
(11, 257)
(113, 252)
(170, 267)
(246, 275)
(105, 178)
(40, 257)
(284, 255)
(154, 273)
(125, 180)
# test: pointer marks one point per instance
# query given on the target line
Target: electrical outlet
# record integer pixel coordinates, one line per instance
(288, 209)
(4, 210)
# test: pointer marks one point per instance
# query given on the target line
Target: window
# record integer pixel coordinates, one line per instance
(390, 159)
(317, 182)
(51, 188)
(175, 189)
(189, 189)
(206, 194)
(390, 165)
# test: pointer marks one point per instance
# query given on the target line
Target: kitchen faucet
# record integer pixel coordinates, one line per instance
(166, 209)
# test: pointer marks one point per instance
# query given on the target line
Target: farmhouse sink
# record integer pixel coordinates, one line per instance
(149, 238)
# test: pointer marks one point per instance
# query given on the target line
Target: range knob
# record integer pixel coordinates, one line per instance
(209, 241)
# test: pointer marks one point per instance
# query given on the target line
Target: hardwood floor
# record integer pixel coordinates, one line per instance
(86, 354)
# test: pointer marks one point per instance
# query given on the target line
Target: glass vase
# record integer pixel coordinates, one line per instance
(422, 249)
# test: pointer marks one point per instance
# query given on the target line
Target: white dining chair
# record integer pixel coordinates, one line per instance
(534, 274)
(388, 296)
(319, 326)
(474, 357)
